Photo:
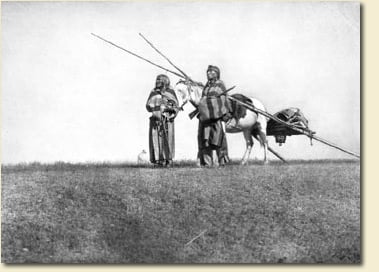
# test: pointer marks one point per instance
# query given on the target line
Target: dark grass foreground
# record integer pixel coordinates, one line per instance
(302, 212)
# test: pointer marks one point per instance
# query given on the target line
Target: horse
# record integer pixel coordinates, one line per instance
(250, 123)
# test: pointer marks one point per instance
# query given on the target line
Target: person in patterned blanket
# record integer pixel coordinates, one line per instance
(163, 105)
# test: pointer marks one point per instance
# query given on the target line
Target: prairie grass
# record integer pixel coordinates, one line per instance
(302, 212)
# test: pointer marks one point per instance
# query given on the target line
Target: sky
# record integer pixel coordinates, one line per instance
(68, 96)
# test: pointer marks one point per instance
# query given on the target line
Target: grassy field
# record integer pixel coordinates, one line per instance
(302, 212)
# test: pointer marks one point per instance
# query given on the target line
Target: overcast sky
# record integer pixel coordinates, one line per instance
(67, 96)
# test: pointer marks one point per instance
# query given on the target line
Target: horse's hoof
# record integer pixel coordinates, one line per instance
(244, 163)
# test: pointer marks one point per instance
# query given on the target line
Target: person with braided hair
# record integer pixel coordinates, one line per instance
(163, 105)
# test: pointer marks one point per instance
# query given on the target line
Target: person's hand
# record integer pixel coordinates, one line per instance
(226, 117)
(173, 115)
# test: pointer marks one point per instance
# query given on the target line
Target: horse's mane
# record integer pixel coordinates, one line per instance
(191, 83)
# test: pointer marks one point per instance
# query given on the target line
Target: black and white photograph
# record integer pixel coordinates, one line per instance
(181, 132)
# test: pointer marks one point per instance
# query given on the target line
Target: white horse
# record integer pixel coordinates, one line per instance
(251, 124)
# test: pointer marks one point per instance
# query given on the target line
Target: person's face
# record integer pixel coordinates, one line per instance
(211, 74)
(159, 83)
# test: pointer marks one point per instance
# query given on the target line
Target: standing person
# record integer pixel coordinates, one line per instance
(213, 109)
(163, 104)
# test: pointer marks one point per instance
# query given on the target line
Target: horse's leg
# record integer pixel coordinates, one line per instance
(249, 145)
(264, 144)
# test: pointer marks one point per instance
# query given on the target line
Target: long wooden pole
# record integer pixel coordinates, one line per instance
(166, 58)
(276, 153)
(302, 131)
(134, 54)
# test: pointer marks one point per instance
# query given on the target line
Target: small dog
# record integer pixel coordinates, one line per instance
(142, 157)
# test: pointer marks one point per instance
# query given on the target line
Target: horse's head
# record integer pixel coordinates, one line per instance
(189, 91)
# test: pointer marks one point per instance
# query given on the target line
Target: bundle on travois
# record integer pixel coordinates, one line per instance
(294, 118)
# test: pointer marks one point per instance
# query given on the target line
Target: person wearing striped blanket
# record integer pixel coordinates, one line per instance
(213, 109)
